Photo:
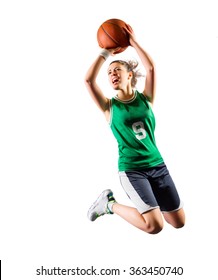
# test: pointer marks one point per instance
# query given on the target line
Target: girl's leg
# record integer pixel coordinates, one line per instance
(139, 190)
(150, 222)
(175, 218)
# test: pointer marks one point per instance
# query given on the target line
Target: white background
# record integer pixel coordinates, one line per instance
(57, 152)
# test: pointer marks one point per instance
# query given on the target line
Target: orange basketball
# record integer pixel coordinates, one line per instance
(111, 34)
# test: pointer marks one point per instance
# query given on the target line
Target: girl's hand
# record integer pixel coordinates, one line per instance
(132, 37)
(107, 52)
(113, 51)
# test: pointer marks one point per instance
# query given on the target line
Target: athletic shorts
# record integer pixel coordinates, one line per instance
(151, 188)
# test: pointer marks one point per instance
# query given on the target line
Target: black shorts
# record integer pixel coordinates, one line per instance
(151, 188)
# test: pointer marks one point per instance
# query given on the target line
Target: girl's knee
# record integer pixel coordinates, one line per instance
(176, 219)
(178, 224)
(153, 227)
(153, 222)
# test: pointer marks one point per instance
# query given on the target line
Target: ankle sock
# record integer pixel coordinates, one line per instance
(111, 203)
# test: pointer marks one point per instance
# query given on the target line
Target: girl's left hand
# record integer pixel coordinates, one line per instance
(132, 37)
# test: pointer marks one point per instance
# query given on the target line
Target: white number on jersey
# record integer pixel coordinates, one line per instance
(139, 129)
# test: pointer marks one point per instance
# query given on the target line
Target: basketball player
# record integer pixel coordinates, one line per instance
(143, 173)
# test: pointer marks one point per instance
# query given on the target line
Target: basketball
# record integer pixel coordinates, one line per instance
(111, 34)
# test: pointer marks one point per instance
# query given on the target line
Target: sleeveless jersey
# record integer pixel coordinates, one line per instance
(133, 124)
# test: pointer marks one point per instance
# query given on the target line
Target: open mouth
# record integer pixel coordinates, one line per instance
(115, 81)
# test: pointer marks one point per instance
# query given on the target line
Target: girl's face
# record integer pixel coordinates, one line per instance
(118, 75)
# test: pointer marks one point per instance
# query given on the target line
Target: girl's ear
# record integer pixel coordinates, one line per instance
(130, 75)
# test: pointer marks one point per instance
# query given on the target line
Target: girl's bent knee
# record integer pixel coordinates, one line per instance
(153, 222)
(155, 229)
(179, 224)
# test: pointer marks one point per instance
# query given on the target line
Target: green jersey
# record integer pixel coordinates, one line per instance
(133, 124)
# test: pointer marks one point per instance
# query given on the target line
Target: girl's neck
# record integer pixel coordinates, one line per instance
(125, 95)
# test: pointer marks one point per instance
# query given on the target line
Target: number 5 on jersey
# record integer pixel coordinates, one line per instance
(139, 129)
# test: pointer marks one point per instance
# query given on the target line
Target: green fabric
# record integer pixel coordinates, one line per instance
(133, 124)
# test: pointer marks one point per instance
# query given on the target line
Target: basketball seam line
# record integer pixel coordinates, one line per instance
(109, 35)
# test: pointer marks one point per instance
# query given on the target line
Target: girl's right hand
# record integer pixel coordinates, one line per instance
(113, 51)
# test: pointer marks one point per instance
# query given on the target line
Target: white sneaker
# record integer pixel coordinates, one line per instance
(100, 206)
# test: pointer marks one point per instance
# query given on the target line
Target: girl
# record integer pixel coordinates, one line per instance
(143, 174)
